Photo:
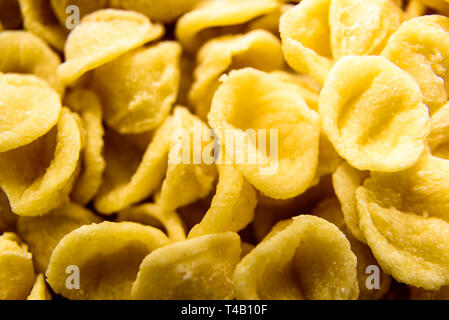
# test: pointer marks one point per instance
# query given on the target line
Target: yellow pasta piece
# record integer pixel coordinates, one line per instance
(10, 16)
(414, 8)
(187, 179)
(39, 176)
(406, 245)
(258, 49)
(144, 87)
(318, 32)
(370, 125)
(345, 181)
(16, 270)
(421, 47)
(107, 257)
(39, 290)
(329, 209)
(421, 189)
(164, 11)
(153, 215)
(250, 103)
(199, 268)
(305, 35)
(103, 36)
(197, 26)
(24, 119)
(131, 175)
(438, 140)
(43, 233)
(232, 207)
(88, 105)
(38, 18)
(23, 52)
(8, 219)
(85, 7)
(362, 28)
(307, 86)
(302, 258)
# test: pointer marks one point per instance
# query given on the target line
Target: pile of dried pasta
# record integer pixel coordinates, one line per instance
(93, 204)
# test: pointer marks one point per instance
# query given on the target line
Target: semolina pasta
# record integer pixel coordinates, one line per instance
(224, 150)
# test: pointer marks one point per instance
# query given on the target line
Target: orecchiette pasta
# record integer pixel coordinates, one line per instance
(248, 101)
(199, 268)
(370, 126)
(89, 107)
(36, 187)
(23, 52)
(197, 26)
(224, 149)
(302, 258)
(16, 269)
(39, 19)
(131, 174)
(24, 119)
(258, 49)
(421, 47)
(232, 207)
(115, 33)
(108, 268)
(340, 27)
(43, 233)
(141, 102)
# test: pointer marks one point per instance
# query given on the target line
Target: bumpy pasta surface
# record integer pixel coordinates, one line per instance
(224, 149)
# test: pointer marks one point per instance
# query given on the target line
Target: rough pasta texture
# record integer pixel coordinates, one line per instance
(224, 149)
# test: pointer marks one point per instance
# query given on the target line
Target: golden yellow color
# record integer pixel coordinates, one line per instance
(421, 48)
(345, 181)
(188, 178)
(23, 52)
(16, 269)
(408, 245)
(139, 88)
(305, 257)
(232, 207)
(42, 234)
(108, 256)
(38, 18)
(420, 294)
(199, 25)
(370, 125)
(132, 174)
(39, 290)
(38, 177)
(362, 27)
(305, 34)
(258, 49)
(153, 215)
(315, 33)
(438, 139)
(330, 210)
(103, 36)
(165, 11)
(195, 269)
(249, 100)
(87, 104)
(30, 108)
